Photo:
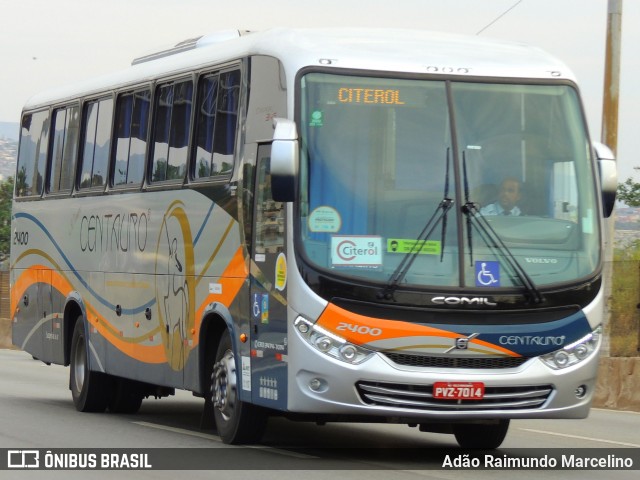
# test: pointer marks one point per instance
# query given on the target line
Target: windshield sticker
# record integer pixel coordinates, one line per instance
(325, 219)
(487, 274)
(316, 119)
(403, 245)
(356, 251)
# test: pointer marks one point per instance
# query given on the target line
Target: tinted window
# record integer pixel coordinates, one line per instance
(98, 116)
(34, 142)
(64, 150)
(171, 130)
(131, 137)
(217, 115)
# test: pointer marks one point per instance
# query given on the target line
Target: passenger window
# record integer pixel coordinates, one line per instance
(132, 120)
(64, 150)
(171, 130)
(98, 116)
(216, 124)
(34, 142)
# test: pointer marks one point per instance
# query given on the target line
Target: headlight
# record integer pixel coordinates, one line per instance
(329, 343)
(575, 352)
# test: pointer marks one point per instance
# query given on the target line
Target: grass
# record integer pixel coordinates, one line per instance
(624, 320)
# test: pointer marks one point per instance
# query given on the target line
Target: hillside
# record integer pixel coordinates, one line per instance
(9, 131)
(8, 155)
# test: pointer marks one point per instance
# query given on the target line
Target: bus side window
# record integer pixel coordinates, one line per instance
(65, 148)
(132, 119)
(34, 142)
(216, 124)
(171, 130)
(98, 116)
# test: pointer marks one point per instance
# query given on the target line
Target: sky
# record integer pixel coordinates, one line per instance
(46, 43)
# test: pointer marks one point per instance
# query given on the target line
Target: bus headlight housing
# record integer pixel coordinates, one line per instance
(329, 343)
(575, 352)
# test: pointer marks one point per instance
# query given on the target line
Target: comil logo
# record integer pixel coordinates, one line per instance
(23, 459)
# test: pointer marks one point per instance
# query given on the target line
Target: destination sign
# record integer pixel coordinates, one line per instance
(370, 96)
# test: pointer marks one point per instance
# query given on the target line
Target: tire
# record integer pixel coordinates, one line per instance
(485, 436)
(88, 389)
(237, 422)
(125, 396)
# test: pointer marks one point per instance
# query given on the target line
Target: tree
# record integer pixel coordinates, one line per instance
(6, 196)
(629, 193)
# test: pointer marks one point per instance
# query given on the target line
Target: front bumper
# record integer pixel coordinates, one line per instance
(381, 388)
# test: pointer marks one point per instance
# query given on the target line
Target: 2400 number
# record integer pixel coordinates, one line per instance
(361, 329)
(20, 238)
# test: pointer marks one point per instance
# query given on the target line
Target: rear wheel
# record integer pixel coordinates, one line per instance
(481, 435)
(236, 421)
(88, 389)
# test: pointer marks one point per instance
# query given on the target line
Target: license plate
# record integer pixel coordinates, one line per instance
(458, 390)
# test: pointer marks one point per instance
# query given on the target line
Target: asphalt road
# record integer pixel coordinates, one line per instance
(36, 412)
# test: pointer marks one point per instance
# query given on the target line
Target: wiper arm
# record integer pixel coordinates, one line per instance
(403, 267)
(491, 238)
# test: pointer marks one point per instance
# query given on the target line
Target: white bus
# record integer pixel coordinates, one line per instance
(330, 225)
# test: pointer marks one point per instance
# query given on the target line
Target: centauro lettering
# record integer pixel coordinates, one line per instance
(531, 340)
(114, 232)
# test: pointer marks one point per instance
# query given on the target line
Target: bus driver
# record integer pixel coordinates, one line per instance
(508, 198)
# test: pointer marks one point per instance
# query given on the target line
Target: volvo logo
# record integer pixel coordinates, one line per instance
(462, 343)
(463, 301)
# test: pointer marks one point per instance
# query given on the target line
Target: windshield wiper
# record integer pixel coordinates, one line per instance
(439, 214)
(493, 240)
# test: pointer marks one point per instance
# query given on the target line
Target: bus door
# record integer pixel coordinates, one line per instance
(268, 292)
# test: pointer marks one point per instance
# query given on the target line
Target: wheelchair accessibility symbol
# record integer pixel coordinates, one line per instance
(487, 274)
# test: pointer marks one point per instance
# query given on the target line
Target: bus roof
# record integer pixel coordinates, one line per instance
(392, 50)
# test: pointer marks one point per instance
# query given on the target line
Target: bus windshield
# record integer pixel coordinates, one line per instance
(446, 183)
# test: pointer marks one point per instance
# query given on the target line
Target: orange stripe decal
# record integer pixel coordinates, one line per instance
(363, 330)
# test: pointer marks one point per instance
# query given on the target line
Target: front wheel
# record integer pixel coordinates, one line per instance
(481, 435)
(237, 422)
(88, 389)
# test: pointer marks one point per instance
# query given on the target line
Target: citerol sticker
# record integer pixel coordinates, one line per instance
(356, 251)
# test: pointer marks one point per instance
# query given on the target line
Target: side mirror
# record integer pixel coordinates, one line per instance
(608, 177)
(284, 160)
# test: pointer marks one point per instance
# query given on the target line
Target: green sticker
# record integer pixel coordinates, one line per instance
(402, 245)
(317, 119)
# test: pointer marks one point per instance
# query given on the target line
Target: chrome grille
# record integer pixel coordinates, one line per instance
(454, 362)
(420, 397)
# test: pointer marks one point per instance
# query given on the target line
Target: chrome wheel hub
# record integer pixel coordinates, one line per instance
(224, 391)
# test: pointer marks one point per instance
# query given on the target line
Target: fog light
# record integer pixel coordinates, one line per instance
(315, 384)
(581, 391)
